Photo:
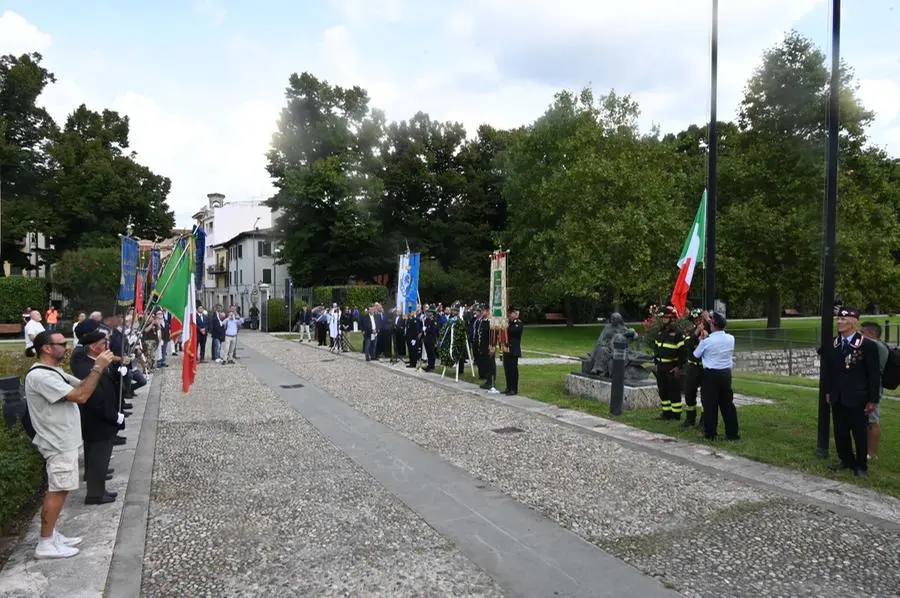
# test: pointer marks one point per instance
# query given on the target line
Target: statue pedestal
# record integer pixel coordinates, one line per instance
(641, 395)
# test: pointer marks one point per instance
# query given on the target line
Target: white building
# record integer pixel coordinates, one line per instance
(222, 222)
(251, 274)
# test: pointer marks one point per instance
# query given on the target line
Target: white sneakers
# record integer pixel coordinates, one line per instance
(57, 546)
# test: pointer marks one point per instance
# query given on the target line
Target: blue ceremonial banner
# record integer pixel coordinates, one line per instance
(412, 287)
(128, 272)
(200, 235)
(154, 266)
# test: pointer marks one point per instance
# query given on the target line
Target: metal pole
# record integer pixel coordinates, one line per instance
(829, 240)
(617, 390)
(712, 175)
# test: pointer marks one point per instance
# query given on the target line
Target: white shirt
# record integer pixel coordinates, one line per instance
(32, 329)
(716, 351)
(56, 420)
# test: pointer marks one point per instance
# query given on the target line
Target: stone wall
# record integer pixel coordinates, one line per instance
(786, 362)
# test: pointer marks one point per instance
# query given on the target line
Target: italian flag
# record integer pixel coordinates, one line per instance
(691, 255)
(175, 292)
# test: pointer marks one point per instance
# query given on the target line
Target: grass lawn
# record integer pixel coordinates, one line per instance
(749, 335)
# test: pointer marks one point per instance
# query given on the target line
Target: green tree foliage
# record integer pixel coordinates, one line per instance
(25, 132)
(771, 208)
(77, 185)
(593, 206)
(324, 163)
(89, 277)
(18, 293)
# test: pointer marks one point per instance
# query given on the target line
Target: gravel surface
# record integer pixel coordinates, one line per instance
(701, 533)
(248, 499)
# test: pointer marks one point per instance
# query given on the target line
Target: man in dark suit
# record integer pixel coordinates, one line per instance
(852, 379)
(202, 330)
(100, 415)
(514, 332)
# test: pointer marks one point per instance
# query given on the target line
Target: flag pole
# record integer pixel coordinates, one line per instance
(710, 257)
(829, 239)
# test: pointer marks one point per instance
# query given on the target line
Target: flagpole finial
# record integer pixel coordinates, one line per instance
(129, 228)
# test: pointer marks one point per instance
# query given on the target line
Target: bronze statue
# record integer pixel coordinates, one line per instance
(599, 362)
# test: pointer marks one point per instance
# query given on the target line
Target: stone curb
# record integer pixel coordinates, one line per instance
(840, 497)
(124, 578)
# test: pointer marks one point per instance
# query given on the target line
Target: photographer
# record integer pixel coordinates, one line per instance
(232, 324)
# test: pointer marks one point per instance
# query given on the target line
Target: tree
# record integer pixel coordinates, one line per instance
(771, 213)
(88, 278)
(325, 165)
(25, 131)
(94, 169)
(593, 206)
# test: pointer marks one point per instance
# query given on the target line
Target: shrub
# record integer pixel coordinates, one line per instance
(277, 315)
(354, 295)
(89, 278)
(17, 293)
(21, 473)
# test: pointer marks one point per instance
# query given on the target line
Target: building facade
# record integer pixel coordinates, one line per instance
(245, 270)
(223, 221)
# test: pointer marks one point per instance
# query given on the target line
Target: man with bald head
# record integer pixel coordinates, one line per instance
(32, 329)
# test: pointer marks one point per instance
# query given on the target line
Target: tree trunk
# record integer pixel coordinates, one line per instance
(567, 308)
(773, 308)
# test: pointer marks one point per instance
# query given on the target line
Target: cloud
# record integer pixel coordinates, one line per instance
(18, 36)
(366, 11)
(212, 10)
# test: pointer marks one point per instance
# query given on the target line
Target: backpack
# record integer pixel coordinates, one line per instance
(890, 376)
(26, 418)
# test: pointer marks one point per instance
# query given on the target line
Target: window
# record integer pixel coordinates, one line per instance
(240, 250)
(267, 275)
(264, 248)
(241, 277)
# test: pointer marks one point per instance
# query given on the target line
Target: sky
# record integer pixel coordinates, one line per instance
(203, 81)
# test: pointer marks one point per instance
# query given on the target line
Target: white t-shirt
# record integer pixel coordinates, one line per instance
(32, 329)
(56, 421)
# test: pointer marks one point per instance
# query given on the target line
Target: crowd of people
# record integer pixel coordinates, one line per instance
(111, 357)
(422, 337)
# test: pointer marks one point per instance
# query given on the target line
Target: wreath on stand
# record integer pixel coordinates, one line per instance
(452, 337)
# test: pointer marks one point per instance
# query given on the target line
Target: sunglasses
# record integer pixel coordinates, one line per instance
(62, 344)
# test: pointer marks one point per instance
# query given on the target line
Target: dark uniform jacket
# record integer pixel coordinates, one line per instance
(852, 372)
(670, 348)
(514, 332)
(99, 413)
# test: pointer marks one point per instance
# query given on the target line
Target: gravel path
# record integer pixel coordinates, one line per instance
(703, 534)
(248, 499)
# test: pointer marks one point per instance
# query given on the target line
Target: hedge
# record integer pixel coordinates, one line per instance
(277, 315)
(17, 293)
(21, 473)
(354, 295)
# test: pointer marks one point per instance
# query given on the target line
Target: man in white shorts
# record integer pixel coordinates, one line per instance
(53, 397)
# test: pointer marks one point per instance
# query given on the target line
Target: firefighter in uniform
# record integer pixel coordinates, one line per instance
(670, 357)
(693, 371)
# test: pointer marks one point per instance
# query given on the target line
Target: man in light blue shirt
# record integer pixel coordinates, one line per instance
(716, 350)
(231, 324)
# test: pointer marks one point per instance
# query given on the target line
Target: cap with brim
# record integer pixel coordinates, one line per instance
(85, 328)
(848, 312)
(92, 337)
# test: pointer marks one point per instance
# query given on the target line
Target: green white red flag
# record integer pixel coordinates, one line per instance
(691, 255)
(175, 292)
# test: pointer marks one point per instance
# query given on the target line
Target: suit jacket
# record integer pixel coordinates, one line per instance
(202, 323)
(514, 332)
(482, 344)
(852, 373)
(99, 413)
(413, 329)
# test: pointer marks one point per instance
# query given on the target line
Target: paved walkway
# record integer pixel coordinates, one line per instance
(297, 472)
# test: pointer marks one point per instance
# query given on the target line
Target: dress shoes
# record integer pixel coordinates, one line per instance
(100, 500)
(119, 441)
